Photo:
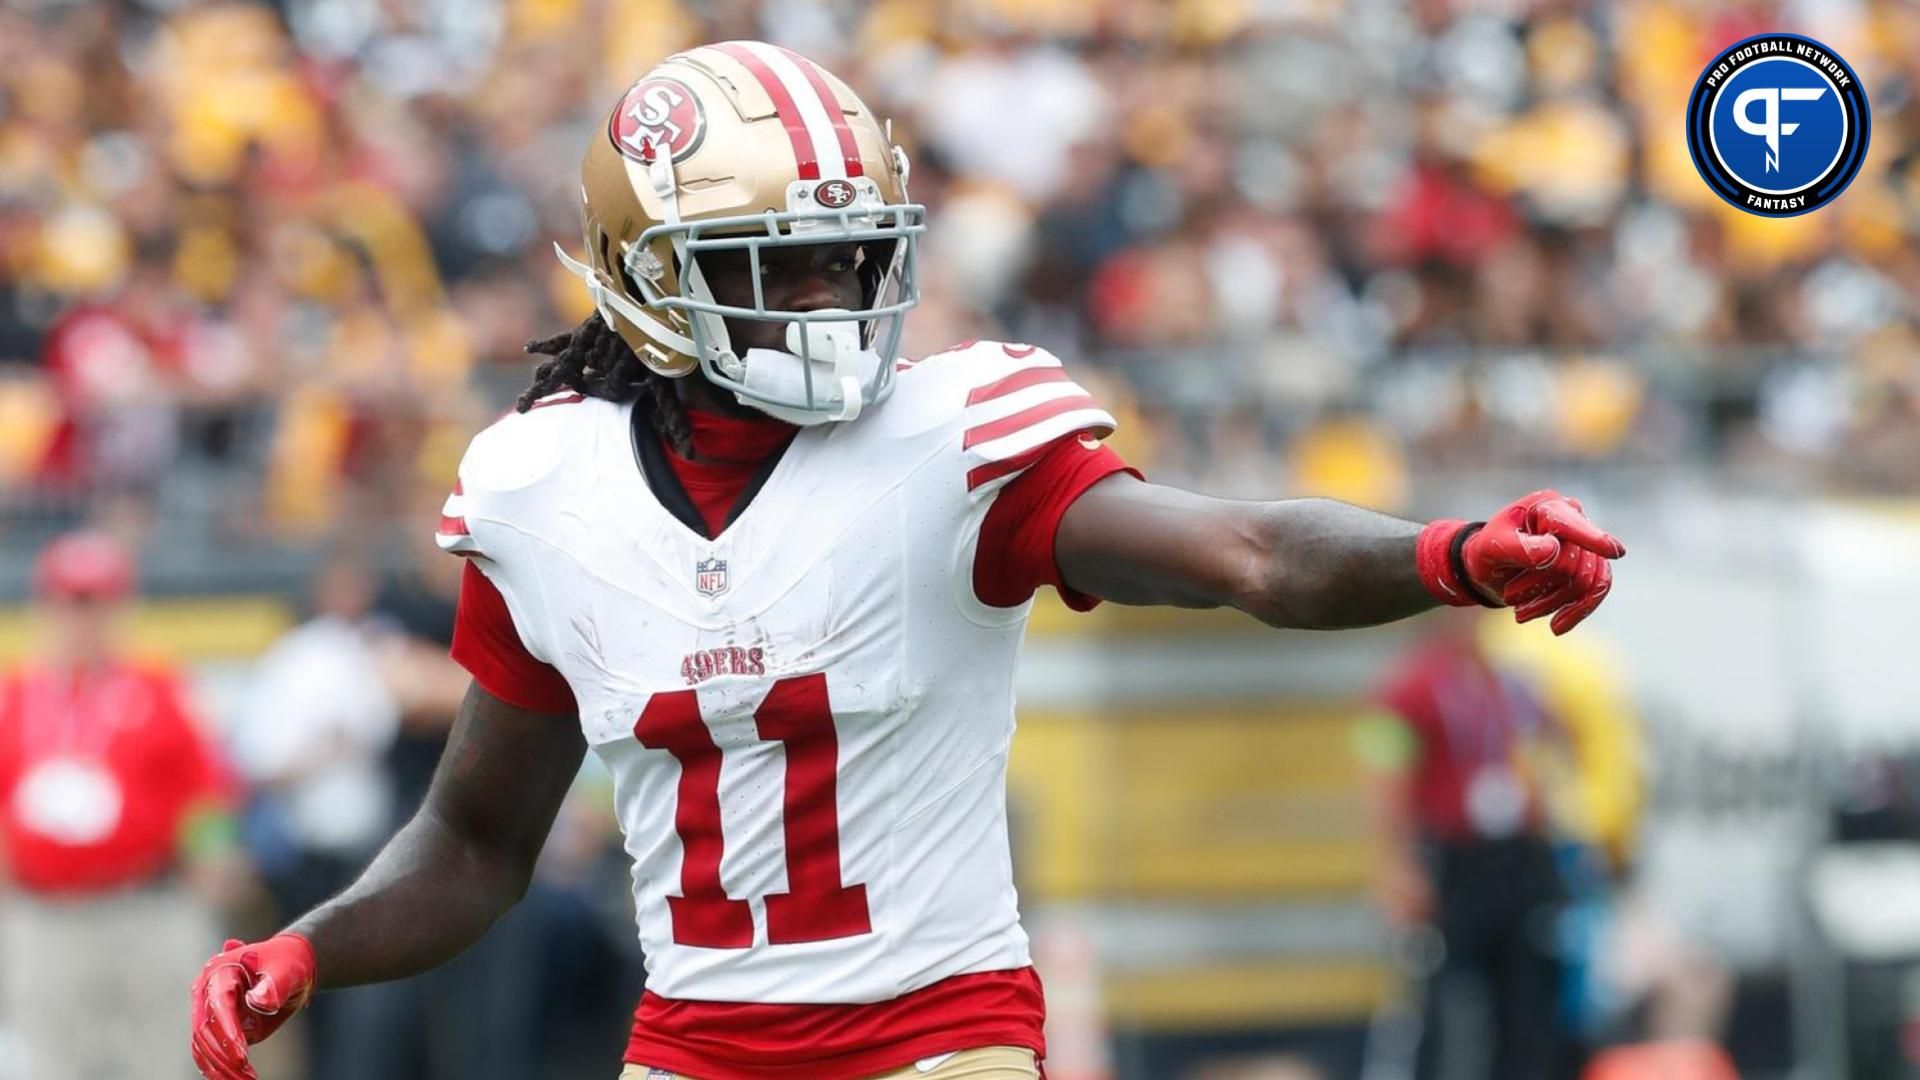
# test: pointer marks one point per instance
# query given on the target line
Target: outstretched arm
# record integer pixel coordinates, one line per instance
(1318, 564)
(465, 858)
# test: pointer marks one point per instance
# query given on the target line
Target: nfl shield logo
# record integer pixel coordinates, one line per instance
(710, 577)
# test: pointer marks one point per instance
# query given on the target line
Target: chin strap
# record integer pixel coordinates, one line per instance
(608, 300)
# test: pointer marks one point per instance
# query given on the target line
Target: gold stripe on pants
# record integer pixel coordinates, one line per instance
(986, 1063)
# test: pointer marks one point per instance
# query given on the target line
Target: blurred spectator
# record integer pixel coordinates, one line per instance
(313, 742)
(114, 835)
(110, 363)
(1460, 830)
(414, 610)
(479, 1017)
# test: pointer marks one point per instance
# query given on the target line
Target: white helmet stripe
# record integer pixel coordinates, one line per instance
(808, 102)
(805, 151)
(816, 77)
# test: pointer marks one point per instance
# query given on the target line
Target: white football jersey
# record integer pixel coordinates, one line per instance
(807, 718)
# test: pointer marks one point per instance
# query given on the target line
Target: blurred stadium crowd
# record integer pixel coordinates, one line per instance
(264, 268)
(268, 264)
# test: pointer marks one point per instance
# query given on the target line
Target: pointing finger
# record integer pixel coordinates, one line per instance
(1556, 517)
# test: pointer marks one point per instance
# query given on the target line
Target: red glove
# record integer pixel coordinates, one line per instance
(242, 996)
(1539, 555)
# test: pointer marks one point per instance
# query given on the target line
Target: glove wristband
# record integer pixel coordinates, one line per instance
(1438, 555)
(1457, 557)
(305, 993)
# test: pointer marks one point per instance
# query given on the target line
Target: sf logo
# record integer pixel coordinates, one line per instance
(652, 111)
(1769, 126)
(657, 113)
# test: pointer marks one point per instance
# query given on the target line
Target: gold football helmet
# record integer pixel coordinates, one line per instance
(745, 145)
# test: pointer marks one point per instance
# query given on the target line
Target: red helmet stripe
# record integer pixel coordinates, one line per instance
(849, 151)
(803, 153)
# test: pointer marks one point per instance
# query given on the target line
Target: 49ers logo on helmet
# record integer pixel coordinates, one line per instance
(834, 194)
(658, 111)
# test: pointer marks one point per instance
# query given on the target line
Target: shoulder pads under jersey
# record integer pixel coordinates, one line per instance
(516, 451)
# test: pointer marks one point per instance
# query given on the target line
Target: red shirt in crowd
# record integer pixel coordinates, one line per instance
(1015, 557)
(99, 770)
(1469, 723)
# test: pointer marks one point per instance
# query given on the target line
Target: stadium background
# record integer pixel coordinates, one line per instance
(266, 267)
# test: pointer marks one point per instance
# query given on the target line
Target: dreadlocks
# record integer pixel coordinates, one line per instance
(592, 359)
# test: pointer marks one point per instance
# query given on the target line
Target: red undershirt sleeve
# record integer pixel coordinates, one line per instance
(1015, 555)
(487, 645)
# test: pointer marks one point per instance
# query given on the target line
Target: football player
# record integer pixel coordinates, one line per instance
(777, 580)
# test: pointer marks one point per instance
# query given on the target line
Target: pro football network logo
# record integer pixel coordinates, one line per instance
(658, 112)
(710, 577)
(1778, 125)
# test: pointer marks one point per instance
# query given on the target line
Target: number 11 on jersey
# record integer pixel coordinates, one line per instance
(817, 906)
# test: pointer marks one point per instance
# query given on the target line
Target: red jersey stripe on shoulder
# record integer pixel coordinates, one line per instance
(1026, 418)
(1019, 380)
(570, 399)
(803, 152)
(849, 151)
(453, 526)
(981, 475)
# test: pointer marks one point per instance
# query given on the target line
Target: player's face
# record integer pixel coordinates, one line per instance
(800, 278)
